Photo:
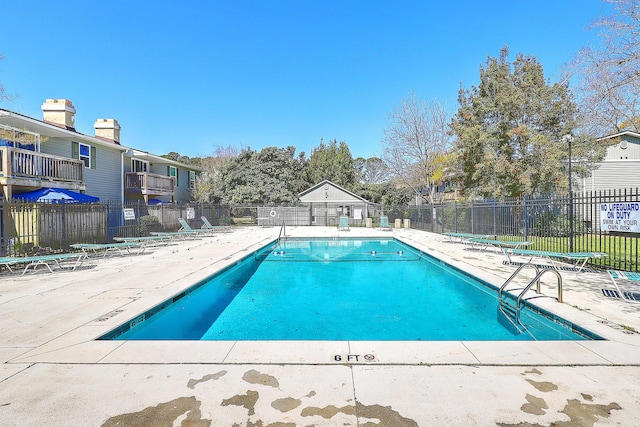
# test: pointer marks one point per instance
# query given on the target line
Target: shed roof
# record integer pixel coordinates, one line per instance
(339, 194)
(619, 134)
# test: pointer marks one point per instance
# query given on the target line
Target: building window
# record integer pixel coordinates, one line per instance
(139, 166)
(192, 180)
(84, 153)
(172, 171)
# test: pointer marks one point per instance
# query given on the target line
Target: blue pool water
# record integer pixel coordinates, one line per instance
(347, 289)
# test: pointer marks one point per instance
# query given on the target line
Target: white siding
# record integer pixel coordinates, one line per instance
(183, 193)
(613, 175)
(632, 152)
(105, 181)
(57, 147)
(331, 194)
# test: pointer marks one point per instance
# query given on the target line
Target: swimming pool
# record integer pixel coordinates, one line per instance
(341, 289)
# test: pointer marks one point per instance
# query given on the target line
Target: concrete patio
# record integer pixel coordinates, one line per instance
(55, 373)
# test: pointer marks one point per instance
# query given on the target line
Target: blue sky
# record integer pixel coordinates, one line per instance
(187, 76)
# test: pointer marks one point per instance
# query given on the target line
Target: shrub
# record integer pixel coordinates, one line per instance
(148, 223)
(549, 224)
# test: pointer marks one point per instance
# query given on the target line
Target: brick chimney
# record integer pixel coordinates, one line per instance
(59, 112)
(108, 129)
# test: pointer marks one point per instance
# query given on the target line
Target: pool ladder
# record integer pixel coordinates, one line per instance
(511, 310)
(283, 232)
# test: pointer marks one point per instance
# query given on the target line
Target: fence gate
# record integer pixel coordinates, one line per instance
(276, 215)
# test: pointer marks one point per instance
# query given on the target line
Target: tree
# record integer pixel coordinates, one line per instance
(608, 78)
(414, 143)
(177, 157)
(509, 131)
(333, 162)
(3, 94)
(208, 180)
(371, 171)
(271, 176)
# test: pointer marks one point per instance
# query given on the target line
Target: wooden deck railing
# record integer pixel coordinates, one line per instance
(18, 163)
(148, 183)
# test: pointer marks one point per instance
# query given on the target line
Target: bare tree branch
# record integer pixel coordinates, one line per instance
(608, 78)
(415, 140)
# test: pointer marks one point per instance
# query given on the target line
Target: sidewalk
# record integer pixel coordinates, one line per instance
(55, 374)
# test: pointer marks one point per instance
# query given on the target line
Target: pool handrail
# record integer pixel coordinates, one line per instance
(535, 280)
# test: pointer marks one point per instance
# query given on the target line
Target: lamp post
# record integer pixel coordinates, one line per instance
(569, 140)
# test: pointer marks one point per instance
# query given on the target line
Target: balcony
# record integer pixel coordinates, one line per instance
(27, 168)
(149, 184)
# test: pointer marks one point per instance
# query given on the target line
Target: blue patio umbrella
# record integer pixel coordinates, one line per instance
(55, 195)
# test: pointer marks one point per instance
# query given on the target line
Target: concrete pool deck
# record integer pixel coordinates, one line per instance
(54, 373)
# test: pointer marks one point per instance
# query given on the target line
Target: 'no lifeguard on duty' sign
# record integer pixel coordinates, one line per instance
(622, 216)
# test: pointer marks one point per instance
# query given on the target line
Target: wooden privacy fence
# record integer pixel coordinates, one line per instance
(27, 227)
(53, 226)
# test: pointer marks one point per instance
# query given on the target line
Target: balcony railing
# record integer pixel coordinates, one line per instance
(148, 183)
(18, 163)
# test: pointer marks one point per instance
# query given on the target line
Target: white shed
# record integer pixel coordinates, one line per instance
(328, 201)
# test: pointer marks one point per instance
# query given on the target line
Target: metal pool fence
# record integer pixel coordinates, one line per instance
(603, 221)
(564, 223)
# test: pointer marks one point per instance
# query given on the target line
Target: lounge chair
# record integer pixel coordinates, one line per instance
(628, 276)
(107, 248)
(147, 240)
(463, 237)
(344, 223)
(208, 226)
(384, 223)
(185, 227)
(174, 235)
(577, 259)
(46, 260)
(500, 244)
(8, 262)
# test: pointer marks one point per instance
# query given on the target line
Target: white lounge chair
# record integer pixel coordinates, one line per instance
(185, 227)
(206, 224)
(107, 248)
(493, 243)
(577, 259)
(463, 237)
(46, 260)
(627, 276)
(147, 240)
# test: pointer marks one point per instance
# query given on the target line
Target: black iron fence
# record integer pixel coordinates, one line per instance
(607, 221)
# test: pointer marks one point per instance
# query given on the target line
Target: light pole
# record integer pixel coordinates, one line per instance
(569, 140)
